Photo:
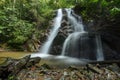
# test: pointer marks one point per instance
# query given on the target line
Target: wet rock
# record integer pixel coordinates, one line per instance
(94, 68)
(33, 61)
(75, 74)
(46, 66)
(63, 32)
(72, 68)
(14, 66)
(114, 67)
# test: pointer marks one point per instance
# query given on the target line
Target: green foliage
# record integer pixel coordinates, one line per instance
(115, 11)
(99, 9)
(11, 77)
(18, 21)
(21, 19)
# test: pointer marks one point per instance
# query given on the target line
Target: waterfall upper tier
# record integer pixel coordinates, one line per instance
(75, 21)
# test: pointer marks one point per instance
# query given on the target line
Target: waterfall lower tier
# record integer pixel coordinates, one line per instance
(100, 56)
(83, 46)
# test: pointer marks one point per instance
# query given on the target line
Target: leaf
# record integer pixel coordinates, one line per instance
(0, 31)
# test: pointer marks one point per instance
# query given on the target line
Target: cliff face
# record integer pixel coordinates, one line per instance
(111, 38)
(109, 29)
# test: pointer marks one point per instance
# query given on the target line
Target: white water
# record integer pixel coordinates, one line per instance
(57, 24)
(67, 41)
(78, 29)
(99, 56)
(71, 43)
(77, 25)
(72, 39)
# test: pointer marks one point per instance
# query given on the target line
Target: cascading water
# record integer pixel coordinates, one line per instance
(71, 43)
(77, 24)
(71, 39)
(57, 23)
(79, 43)
(99, 48)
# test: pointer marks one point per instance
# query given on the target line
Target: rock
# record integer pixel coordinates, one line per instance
(46, 66)
(94, 69)
(33, 61)
(64, 31)
(72, 68)
(14, 66)
(114, 67)
(67, 74)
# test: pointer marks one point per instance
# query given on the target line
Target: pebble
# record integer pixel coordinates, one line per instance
(66, 74)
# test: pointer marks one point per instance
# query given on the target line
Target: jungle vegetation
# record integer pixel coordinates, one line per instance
(22, 22)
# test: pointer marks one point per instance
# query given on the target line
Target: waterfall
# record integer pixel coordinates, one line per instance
(57, 23)
(71, 41)
(78, 44)
(99, 49)
(77, 24)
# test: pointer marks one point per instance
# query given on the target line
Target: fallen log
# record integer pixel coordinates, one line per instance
(14, 66)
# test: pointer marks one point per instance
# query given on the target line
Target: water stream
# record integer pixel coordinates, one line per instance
(54, 31)
(78, 44)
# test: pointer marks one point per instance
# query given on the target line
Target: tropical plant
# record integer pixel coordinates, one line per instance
(21, 19)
